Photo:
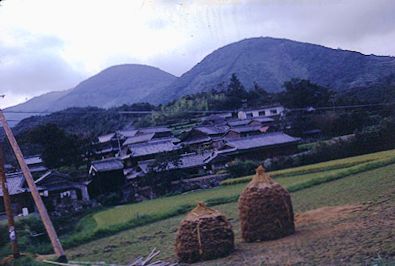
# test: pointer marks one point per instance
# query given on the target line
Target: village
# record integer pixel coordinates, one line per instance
(197, 158)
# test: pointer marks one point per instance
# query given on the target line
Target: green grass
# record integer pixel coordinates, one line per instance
(122, 247)
(319, 167)
(113, 220)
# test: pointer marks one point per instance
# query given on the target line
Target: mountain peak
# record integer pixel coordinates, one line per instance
(270, 62)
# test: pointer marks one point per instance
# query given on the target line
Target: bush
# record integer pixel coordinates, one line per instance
(110, 199)
(242, 168)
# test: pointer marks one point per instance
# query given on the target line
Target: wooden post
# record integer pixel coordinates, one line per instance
(57, 246)
(7, 207)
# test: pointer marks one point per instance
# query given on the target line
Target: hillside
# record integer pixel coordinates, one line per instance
(270, 62)
(37, 104)
(114, 86)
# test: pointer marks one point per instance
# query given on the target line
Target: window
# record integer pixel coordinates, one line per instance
(249, 115)
(273, 111)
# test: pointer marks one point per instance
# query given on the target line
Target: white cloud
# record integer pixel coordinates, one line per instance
(48, 45)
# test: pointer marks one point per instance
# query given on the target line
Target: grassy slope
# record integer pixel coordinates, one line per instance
(288, 177)
(122, 247)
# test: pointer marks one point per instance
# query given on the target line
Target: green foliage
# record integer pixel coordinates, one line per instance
(300, 93)
(58, 147)
(242, 167)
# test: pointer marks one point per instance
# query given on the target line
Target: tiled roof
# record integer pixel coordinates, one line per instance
(263, 119)
(245, 129)
(263, 140)
(106, 138)
(138, 139)
(33, 160)
(239, 122)
(14, 183)
(152, 147)
(154, 130)
(212, 130)
(127, 133)
(197, 140)
(105, 165)
(186, 161)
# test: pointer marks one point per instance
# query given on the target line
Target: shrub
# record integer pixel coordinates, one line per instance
(242, 168)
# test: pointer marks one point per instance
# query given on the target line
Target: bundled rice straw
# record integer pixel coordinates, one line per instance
(265, 209)
(204, 234)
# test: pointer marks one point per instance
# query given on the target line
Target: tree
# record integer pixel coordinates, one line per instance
(58, 148)
(300, 93)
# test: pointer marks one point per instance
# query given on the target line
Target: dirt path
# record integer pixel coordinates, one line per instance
(342, 235)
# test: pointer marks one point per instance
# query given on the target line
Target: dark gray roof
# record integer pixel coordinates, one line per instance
(139, 139)
(245, 129)
(105, 165)
(212, 130)
(15, 183)
(275, 138)
(239, 122)
(35, 169)
(127, 133)
(152, 147)
(154, 130)
(197, 140)
(186, 161)
(106, 138)
(33, 160)
(263, 119)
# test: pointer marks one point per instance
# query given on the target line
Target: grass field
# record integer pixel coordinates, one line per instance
(110, 221)
(288, 177)
(122, 247)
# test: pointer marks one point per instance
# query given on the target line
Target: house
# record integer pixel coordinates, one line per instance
(58, 188)
(202, 137)
(260, 147)
(20, 198)
(193, 163)
(159, 132)
(148, 150)
(54, 188)
(268, 111)
(109, 145)
(106, 176)
(245, 131)
(36, 165)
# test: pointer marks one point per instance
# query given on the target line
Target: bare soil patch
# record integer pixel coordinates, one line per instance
(340, 235)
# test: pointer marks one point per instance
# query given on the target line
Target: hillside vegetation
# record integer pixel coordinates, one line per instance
(270, 62)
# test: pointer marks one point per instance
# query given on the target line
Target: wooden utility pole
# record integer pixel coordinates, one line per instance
(7, 207)
(57, 246)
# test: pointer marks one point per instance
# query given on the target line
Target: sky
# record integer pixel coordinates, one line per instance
(51, 45)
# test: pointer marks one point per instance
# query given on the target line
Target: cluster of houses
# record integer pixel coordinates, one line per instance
(122, 159)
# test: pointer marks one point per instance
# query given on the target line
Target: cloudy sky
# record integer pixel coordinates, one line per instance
(48, 45)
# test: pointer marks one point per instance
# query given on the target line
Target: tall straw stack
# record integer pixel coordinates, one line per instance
(204, 234)
(265, 209)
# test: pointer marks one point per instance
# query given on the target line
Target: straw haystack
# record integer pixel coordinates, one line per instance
(204, 234)
(265, 209)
